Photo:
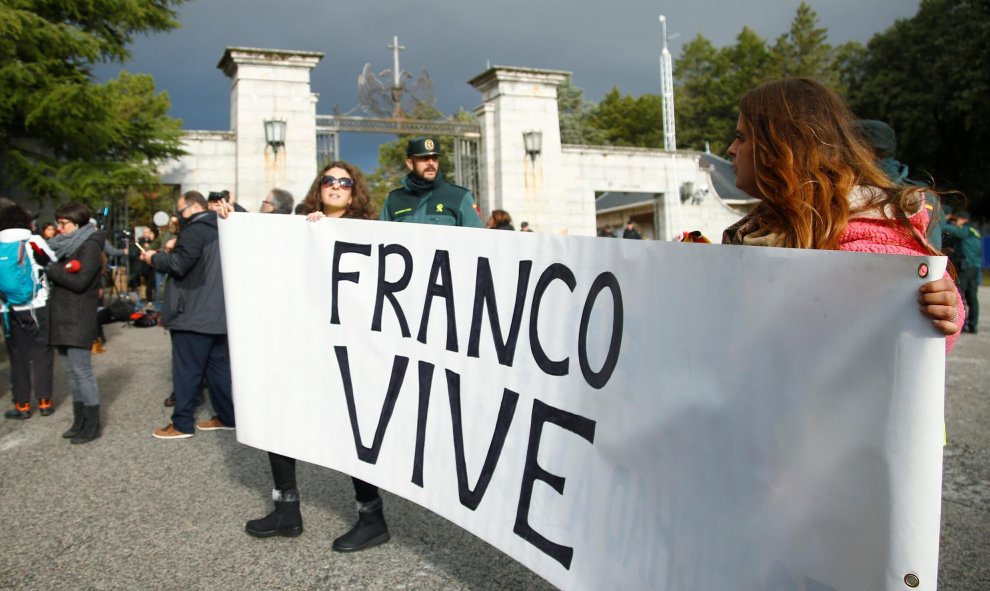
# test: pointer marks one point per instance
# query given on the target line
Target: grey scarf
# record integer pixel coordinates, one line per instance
(66, 244)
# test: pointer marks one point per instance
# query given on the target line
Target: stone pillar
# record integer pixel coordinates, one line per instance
(516, 100)
(271, 84)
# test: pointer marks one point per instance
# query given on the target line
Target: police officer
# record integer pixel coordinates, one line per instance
(883, 140)
(424, 197)
(968, 259)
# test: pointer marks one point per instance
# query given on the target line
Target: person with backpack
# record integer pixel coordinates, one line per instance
(23, 305)
(75, 278)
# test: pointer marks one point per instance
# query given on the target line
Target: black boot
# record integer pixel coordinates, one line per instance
(285, 520)
(91, 425)
(370, 529)
(77, 421)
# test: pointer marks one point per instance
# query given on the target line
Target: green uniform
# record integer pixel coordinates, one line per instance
(437, 202)
(898, 173)
(969, 246)
(968, 257)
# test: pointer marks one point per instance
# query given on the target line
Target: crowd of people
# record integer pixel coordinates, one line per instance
(797, 150)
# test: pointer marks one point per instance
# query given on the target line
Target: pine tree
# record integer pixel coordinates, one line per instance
(62, 135)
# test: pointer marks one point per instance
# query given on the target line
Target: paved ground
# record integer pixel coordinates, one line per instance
(131, 512)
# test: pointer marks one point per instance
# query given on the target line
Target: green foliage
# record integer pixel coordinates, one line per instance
(710, 80)
(629, 121)
(63, 136)
(710, 83)
(804, 50)
(928, 77)
(574, 113)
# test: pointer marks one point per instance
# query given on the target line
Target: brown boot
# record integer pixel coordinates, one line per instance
(97, 348)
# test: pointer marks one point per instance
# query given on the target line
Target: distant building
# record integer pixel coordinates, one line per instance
(557, 188)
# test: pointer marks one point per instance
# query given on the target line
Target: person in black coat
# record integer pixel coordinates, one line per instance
(195, 314)
(75, 279)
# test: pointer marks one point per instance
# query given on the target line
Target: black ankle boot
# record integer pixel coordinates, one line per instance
(91, 425)
(285, 520)
(370, 529)
(77, 421)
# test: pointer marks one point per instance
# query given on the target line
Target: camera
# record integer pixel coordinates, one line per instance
(218, 195)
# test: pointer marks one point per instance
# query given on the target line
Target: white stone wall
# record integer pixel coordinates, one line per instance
(208, 166)
(271, 84)
(591, 169)
(555, 192)
(517, 100)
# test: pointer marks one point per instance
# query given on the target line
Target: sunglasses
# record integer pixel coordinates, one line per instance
(343, 183)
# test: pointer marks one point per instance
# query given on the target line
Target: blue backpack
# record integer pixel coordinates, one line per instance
(18, 285)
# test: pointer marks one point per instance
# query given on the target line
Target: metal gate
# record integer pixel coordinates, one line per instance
(467, 140)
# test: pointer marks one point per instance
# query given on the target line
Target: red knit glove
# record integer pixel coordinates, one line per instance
(73, 266)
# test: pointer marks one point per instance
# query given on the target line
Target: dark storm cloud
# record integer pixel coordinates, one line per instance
(603, 44)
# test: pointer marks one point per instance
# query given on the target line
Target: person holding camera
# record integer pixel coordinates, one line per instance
(216, 198)
(195, 314)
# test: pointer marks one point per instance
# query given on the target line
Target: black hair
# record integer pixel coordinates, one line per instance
(77, 213)
(15, 216)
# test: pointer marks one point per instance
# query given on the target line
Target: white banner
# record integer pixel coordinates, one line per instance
(613, 414)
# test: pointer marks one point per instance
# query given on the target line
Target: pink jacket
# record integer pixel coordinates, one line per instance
(879, 235)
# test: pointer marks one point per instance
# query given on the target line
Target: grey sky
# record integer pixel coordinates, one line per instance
(604, 44)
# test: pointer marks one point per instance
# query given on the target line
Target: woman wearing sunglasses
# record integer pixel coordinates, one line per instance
(339, 191)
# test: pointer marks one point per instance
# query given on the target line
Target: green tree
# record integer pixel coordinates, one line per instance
(710, 80)
(574, 112)
(62, 135)
(804, 50)
(928, 77)
(623, 120)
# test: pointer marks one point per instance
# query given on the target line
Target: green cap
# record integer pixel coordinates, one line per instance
(423, 146)
(878, 135)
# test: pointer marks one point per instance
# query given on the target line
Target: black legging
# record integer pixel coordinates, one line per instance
(284, 475)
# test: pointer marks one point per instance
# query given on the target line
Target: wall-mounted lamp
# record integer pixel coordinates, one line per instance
(275, 133)
(533, 142)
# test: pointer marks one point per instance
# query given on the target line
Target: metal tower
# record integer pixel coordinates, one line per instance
(667, 92)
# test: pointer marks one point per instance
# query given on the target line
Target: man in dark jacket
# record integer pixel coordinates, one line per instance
(883, 140)
(968, 259)
(424, 197)
(196, 317)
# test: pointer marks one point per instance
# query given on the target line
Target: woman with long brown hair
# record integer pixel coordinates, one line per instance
(798, 152)
(339, 191)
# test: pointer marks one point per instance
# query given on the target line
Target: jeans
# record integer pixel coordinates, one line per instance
(195, 356)
(82, 382)
(159, 280)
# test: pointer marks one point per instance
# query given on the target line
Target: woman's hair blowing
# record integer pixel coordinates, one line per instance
(808, 157)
